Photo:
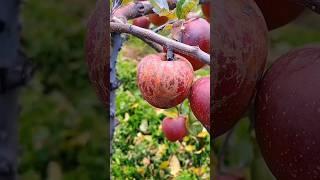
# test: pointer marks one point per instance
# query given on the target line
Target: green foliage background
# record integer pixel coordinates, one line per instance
(62, 124)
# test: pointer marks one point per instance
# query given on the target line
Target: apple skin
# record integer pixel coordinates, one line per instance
(239, 52)
(199, 36)
(278, 13)
(142, 22)
(175, 129)
(200, 101)
(97, 46)
(288, 113)
(164, 84)
(157, 20)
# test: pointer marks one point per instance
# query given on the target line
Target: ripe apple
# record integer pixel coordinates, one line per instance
(195, 32)
(141, 22)
(279, 12)
(288, 113)
(97, 48)
(175, 129)
(157, 20)
(164, 84)
(239, 52)
(200, 101)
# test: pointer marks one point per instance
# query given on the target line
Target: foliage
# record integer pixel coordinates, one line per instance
(62, 125)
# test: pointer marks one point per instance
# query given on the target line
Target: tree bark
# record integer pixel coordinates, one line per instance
(13, 74)
(192, 51)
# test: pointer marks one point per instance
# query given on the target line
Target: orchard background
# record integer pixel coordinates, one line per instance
(62, 124)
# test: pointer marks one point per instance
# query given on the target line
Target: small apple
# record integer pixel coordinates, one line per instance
(195, 32)
(142, 22)
(200, 101)
(157, 20)
(175, 129)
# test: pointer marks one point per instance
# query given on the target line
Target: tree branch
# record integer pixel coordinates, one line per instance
(114, 82)
(314, 5)
(192, 51)
(134, 10)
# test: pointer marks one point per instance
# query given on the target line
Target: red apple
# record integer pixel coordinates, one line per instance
(287, 122)
(175, 129)
(157, 20)
(200, 101)
(164, 84)
(141, 22)
(97, 49)
(279, 12)
(195, 32)
(239, 55)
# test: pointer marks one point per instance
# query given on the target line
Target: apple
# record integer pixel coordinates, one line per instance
(239, 54)
(141, 22)
(195, 32)
(278, 13)
(157, 20)
(287, 122)
(164, 84)
(97, 47)
(200, 101)
(175, 129)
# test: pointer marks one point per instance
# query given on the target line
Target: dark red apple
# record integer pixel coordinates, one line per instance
(164, 84)
(141, 22)
(239, 53)
(175, 129)
(200, 101)
(157, 20)
(195, 32)
(279, 12)
(97, 47)
(288, 115)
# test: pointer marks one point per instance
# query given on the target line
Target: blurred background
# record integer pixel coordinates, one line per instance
(241, 154)
(62, 124)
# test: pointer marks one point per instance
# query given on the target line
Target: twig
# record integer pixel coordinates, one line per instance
(313, 5)
(157, 29)
(141, 8)
(193, 51)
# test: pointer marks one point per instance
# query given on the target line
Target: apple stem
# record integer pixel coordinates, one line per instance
(170, 54)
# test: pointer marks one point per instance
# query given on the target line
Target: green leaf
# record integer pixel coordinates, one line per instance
(184, 7)
(160, 7)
